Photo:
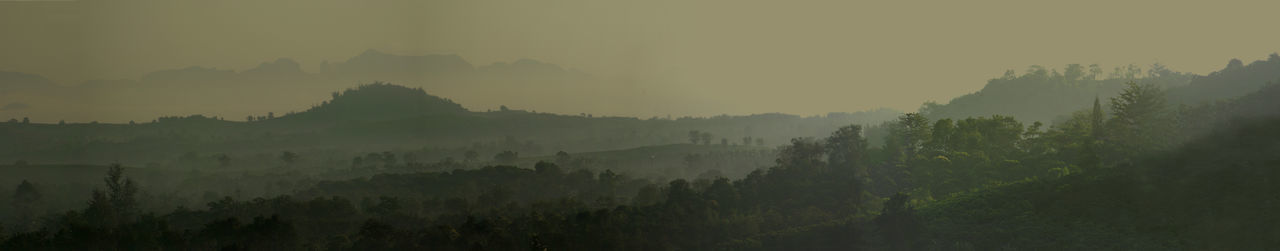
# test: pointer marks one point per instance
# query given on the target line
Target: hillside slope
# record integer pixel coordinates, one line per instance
(1214, 194)
(378, 102)
(1043, 95)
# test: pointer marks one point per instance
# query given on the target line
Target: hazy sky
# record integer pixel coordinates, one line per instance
(739, 57)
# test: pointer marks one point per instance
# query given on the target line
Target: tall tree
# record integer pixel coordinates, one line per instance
(1095, 71)
(1140, 121)
(1074, 72)
(118, 204)
(940, 140)
(25, 198)
(846, 153)
(1090, 155)
(907, 135)
(847, 148)
(121, 190)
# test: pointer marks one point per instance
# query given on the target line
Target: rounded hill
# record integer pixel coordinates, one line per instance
(380, 101)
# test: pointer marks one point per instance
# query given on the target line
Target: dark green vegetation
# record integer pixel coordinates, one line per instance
(1045, 95)
(382, 117)
(1147, 165)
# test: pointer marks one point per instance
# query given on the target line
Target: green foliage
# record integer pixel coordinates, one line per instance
(1043, 95)
(898, 223)
(946, 156)
(379, 101)
(1205, 195)
(1141, 122)
(1105, 177)
(1232, 81)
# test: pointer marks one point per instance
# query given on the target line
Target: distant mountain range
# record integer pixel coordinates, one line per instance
(282, 86)
(380, 116)
(390, 115)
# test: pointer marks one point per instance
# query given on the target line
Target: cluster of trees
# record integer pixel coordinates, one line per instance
(696, 136)
(1184, 198)
(1042, 94)
(25, 121)
(813, 183)
(381, 117)
(1085, 181)
(945, 156)
(498, 207)
(251, 118)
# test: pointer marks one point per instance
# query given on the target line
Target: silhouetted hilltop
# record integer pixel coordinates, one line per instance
(1230, 171)
(1262, 103)
(1232, 81)
(380, 101)
(1042, 94)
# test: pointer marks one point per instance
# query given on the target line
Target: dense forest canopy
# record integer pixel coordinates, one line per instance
(1080, 159)
(1045, 95)
(639, 125)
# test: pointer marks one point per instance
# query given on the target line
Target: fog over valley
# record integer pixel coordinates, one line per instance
(643, 125)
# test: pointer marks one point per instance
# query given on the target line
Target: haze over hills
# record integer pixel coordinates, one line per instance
(639, 125)
(1236, 79)
(281, 86)
(10, 81)
(385, 116)
(1045, 95)
(396, 115)
(965, 162)
(1209, 192)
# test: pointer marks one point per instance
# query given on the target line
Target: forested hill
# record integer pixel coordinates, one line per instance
(1216, 193)
(1041, 94)
(378, 101)
(1235, 80)
(1213, 192)
(381, 116)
